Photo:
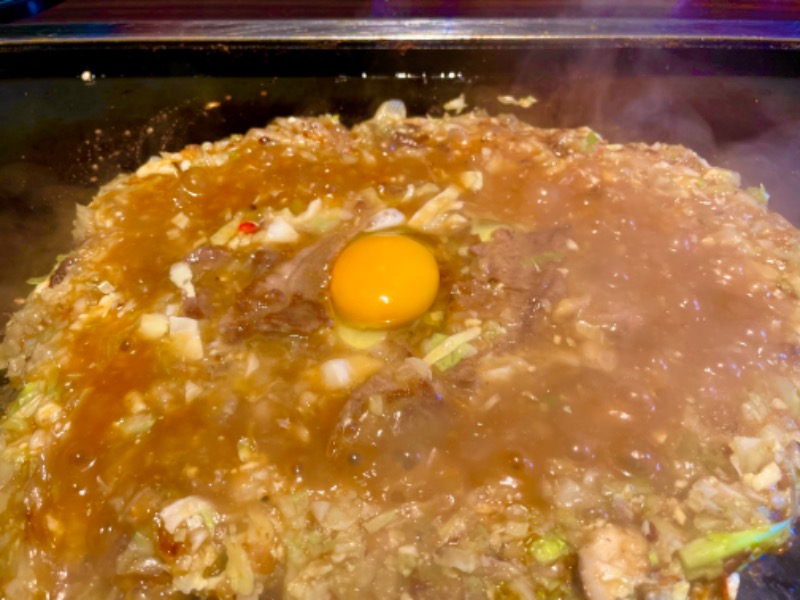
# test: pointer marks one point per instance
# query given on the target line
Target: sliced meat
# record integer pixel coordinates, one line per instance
(264, 260)
(270, 312)
(284, 297)
(306, 273)
(390, 426)
(520, 260)
(61, 270)
(197, 307)
(206, 263)
(513, 278)
(612, 562)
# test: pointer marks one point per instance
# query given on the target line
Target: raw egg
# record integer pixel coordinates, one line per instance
(384, 280)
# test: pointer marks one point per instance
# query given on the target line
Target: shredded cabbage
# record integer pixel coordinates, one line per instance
(451, 344)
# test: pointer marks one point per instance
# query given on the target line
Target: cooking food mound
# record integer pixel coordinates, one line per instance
(418, 358)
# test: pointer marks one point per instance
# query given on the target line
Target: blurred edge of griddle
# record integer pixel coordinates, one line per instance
(131, 10)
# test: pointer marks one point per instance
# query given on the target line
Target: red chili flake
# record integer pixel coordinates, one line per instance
(248, 227)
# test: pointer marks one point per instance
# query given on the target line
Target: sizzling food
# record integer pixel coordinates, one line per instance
(418, 358)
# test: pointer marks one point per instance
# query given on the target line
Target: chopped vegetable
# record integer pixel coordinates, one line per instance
(153, 326)
(342, 373)
(135, 424)
(391, 111)
(750, 454)
(246, 449)
(451, 344)
(455, 357)
(591, 141)
(381, 521)
(139, 557)
(456, 105)
(435, 215)
(26, 405)
(759, 193)
(185, 337)
(181, 275)
(281, 232)
(388, 218)
(193, 511)
(484, 229)
(471, 180)
(705, 556)
(548, 550)
(225, 233)
(524, 102)
(789, 394)
(457, 558)
(37, 280)
(238, 569)
(180, 220)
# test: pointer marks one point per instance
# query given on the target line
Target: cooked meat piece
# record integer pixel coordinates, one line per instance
(61, 270)
(284, 297)
(612, 562)
(263, 260)
(206, 263)
(306, 273)
(390, 424)
(199, 306)
(520, 260)
(269, 312)
(512, 278)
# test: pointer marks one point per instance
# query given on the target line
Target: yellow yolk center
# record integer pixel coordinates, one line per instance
(384, 280)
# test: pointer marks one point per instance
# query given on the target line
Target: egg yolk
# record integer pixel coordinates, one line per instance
(384, 280)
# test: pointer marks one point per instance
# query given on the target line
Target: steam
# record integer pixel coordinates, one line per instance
(749, 124)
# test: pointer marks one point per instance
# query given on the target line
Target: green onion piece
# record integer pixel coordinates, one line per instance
(759, 193)
(548, 550)
(433, 341)
(704, 557)
(37, 280)
(652, 558)
(591, 141)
